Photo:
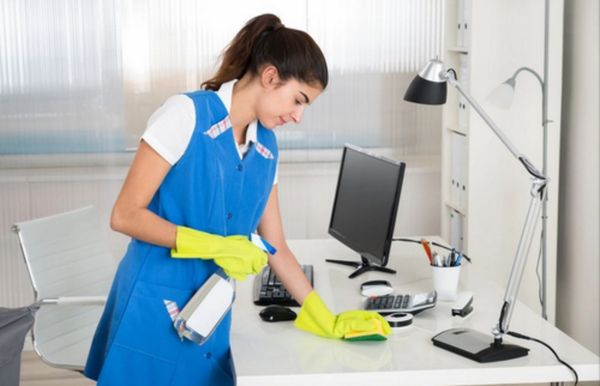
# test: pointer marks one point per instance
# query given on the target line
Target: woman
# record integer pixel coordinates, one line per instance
(205, 177)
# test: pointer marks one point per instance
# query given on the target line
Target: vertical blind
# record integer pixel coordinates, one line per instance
(84, 76)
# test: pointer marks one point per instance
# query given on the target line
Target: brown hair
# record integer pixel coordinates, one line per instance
(265, 40)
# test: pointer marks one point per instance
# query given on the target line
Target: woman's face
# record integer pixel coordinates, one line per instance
(283, 102)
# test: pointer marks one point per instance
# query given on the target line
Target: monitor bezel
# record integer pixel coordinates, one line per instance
(379, 260)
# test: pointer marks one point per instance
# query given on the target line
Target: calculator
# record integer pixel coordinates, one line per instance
(408, 303)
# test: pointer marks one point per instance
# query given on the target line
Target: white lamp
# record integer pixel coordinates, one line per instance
(429, 87)
(503, 95)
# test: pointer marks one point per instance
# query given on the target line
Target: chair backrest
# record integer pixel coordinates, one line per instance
(67, 255)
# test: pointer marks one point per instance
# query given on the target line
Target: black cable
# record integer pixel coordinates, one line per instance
(521, 336)
(432, 243)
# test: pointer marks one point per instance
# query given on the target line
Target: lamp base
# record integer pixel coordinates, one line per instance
(477, 346)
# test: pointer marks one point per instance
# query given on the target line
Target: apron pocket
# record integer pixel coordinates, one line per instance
(125, 366)
(147, 327)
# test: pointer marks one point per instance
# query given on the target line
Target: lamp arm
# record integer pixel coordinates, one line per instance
(538, 193)
(531, 169)
(544, 97)
(532, 71)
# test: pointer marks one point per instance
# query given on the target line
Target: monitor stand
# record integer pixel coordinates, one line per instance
(362, 267)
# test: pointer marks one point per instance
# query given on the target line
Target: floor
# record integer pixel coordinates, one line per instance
(34, 372)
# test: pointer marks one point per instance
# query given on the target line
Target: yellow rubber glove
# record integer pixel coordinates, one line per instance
(237, 255)
(316, 318)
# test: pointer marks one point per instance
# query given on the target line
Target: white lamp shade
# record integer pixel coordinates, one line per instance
(502, 96)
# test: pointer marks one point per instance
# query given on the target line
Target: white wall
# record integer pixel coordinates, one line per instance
(579, 226)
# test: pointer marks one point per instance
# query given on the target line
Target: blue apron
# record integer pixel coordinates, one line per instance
(209, 189)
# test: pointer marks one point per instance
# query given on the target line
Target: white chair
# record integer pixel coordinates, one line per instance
(71, 270)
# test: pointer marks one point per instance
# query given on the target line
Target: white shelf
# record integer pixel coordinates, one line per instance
(451, 205)
(459, 50)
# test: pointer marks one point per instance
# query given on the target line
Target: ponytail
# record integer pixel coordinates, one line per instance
(265, 40)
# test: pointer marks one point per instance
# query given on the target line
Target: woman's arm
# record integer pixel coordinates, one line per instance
(130, 215)
(284, 262)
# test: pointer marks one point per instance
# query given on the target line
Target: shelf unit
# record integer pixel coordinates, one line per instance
(485, 218)
(455, 121)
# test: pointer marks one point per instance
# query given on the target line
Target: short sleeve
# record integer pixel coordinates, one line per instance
(170, 128)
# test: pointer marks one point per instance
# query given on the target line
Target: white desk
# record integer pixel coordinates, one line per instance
(279, 354)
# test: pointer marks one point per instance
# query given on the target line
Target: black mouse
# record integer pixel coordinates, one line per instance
(275, 313)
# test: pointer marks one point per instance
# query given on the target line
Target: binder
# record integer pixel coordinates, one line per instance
(466, 24)
(463, 106)
(458, 170)
(456, 230)
(459, 23)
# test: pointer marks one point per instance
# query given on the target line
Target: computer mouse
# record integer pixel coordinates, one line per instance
(376, 288)
(276, 313)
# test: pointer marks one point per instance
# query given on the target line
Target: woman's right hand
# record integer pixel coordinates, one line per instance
(237, 255)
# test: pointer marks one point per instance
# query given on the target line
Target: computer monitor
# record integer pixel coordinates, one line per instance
(365, 207)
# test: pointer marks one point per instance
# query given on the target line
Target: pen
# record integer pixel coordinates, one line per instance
(437, 260)
(425, 245)
(458, 259)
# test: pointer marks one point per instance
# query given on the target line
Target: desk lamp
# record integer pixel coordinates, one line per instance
(429, 87)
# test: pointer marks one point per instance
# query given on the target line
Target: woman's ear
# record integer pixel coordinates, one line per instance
(269, 77)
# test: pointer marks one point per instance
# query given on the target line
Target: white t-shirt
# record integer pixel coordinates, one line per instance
(170, 127)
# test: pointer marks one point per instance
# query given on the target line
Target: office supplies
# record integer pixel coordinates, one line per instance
(459, 258)
(268, 289)
(463, 305)
(376, 288)
(445, 281)
(205, 310)
(276, 313)
(425, 245)
(365, 207)
(399, 319)
(432, 243)
(412, 304)
(430, 87)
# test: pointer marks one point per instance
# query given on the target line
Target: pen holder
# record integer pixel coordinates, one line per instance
(445, 282)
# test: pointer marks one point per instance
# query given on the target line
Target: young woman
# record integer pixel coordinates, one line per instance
(205, 177)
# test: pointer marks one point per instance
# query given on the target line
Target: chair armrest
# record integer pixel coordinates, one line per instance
(74, 300)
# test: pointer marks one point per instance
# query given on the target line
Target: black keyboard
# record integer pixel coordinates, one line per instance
(269, 290)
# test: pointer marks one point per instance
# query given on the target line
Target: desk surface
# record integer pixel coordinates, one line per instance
(278, 353)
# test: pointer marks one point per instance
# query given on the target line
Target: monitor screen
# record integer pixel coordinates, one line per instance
(366, 203)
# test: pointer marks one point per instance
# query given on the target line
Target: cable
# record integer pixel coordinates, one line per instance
(432, 243)
(521, 336)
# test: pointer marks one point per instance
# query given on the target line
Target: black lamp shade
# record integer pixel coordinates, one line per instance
(426, 92)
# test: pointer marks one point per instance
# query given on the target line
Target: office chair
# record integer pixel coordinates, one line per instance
(71, 270)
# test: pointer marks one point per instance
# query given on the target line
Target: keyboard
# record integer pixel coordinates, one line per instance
(269, 290)
(411, 304)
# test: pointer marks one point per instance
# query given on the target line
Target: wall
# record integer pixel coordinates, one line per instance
(578, 245)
